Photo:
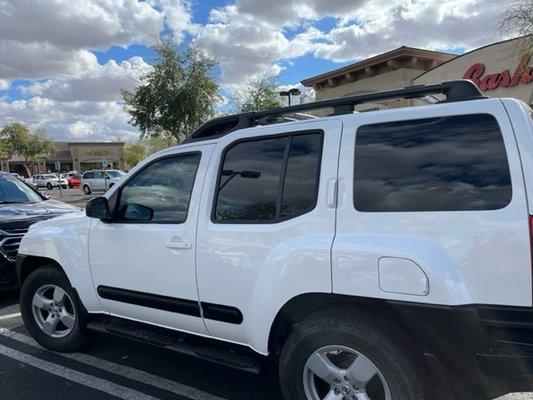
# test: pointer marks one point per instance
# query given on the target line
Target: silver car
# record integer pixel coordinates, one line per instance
(98, 180)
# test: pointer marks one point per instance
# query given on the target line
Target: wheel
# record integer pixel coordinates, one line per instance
(86, 189)
(51, 310)
(49, 186)
(340, 355)
(70, 185)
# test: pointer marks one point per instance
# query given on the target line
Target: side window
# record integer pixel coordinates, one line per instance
(88, 175)
(266, 180)
(165, 186)
(436, 164)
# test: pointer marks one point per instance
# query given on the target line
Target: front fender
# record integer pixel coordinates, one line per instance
(64, 239)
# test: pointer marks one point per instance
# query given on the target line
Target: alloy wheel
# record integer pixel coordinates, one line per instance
(341, 373)
(54, 311)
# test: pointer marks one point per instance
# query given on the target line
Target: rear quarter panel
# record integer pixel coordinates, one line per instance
(468, 257)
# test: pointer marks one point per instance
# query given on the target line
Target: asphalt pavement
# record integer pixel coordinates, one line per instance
(112, 368)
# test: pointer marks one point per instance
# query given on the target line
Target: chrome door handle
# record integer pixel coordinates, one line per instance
(178, 245)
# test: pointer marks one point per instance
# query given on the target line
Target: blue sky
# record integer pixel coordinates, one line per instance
(62, 64)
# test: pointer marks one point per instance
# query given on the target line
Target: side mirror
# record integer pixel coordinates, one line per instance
(137, 212)
(97, 208)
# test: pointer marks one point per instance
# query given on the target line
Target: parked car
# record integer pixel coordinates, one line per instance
(49, 181)
(380, 255)
(20, 207)
(97, 180)
(73, 179)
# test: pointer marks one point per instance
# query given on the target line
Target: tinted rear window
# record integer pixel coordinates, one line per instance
(88, 175)
(435, 164)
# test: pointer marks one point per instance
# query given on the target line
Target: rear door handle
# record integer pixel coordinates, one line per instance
(178, 245)
(331, 195)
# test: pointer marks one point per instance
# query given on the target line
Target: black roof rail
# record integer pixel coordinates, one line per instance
(456, 90)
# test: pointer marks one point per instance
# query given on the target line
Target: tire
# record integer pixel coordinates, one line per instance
(394, 356)
(70, 185)
(49, 186)
(86, 189)
(65, 339)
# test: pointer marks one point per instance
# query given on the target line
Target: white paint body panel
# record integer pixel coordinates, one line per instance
(137, 257)
(398, 275)
(469, 257)
(64, 239)
(259, 267)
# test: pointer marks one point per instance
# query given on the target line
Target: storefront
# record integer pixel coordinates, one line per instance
(78, 156)
(501, 69)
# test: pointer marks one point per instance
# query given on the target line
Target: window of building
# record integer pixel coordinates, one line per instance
(435, 164)
(165, 186)
(266, 180)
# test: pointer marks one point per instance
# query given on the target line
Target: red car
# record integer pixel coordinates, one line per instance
(74, 181)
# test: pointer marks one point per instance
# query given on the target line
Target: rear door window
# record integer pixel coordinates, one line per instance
(451, 163)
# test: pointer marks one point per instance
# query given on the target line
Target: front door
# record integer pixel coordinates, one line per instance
(145, 270)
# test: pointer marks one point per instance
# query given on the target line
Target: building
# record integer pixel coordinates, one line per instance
(78, 156)
(499, 69)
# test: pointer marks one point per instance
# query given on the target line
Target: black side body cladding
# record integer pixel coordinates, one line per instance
(215, 312)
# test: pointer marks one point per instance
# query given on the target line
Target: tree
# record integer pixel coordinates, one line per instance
(257, 94)
(134, 153)
(20, 140)
(177, 95)
(517, 20)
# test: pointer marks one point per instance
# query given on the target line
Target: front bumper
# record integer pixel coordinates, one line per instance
(482, 351)
(8, 276)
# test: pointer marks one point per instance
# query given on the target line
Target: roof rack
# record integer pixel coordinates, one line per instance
(456, 90)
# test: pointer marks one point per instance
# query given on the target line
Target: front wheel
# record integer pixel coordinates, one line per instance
(343, 355)
(49, 186)
(51, 311)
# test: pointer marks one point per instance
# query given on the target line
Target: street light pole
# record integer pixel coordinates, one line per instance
(289, 93)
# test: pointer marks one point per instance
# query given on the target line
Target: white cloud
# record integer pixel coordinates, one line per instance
(250, 38)
(102, 83)
(4, 84)
(81, 120)
(78, 23)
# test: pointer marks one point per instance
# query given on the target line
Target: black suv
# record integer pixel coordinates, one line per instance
(20, 207)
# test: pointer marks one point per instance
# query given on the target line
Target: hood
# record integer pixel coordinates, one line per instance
(44, 209)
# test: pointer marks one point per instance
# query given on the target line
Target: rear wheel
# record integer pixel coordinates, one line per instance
(86, 189)
(346, 356)
(51, 311)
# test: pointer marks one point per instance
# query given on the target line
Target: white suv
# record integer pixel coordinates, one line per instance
(381, 255)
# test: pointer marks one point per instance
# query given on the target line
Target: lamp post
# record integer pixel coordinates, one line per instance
(289, 93)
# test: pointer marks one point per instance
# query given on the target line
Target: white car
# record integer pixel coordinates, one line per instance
(382, 256)
(49, 181)
(97, 180)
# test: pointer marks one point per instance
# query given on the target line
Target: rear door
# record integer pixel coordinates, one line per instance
(266, 225)
(433, 207)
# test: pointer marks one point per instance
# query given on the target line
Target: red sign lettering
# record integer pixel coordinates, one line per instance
(522, 74)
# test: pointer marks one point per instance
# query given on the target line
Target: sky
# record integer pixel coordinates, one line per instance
(63, 62)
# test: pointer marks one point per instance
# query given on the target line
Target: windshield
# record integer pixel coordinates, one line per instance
(115, 173)
(13, 190)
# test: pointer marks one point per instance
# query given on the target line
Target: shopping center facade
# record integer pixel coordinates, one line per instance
(502, 69)
(78, 156)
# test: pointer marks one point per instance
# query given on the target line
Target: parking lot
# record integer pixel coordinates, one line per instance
(110, 368)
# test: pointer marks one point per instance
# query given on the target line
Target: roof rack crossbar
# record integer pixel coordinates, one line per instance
(456, 90)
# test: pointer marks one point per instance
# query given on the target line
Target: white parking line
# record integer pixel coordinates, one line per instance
(9, 316)
(75, 376)
(118, 369)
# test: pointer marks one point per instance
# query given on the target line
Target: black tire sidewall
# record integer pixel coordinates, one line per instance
(49, 186)
(400, 368)
(86, 189)
(44, 276)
